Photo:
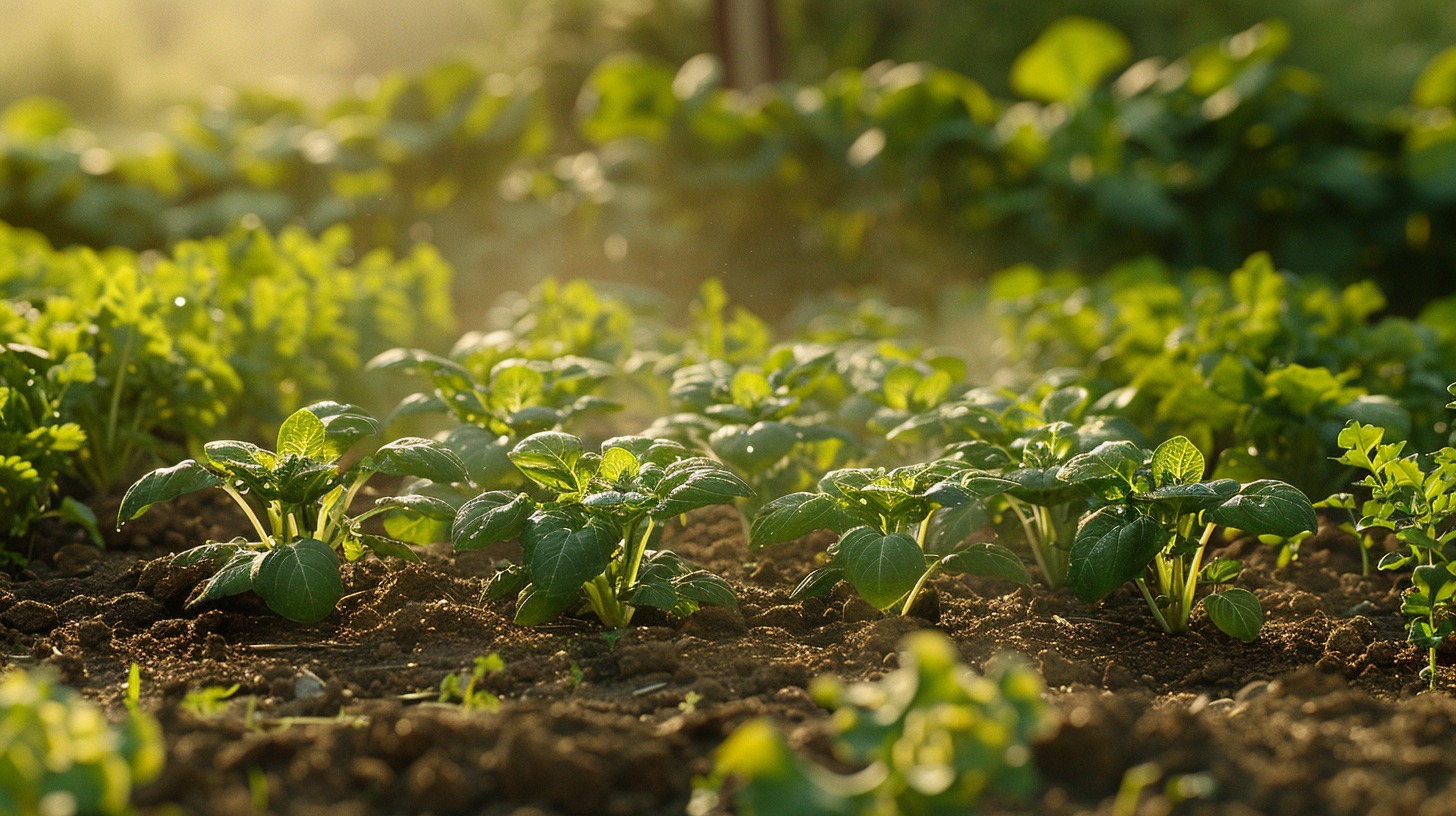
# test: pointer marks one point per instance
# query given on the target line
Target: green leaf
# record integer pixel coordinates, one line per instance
(705, 588)
(753, 448)
(1110, 465)
(561, 559)
(1267, 506)
(1190, 497)
(389, 548)
(536, 606)
(74, 512)
(988, 560)
(1110, 549)
(491, 517)
(300, 580)
(344, 424)
(427, 506)
(1069, 59)
(656, 594)
(164, 485)
(549, 458)
(506, 582)
(240, 457)
(883, 568)
(302, 434)
(1177, 461)
(618, 464)
(1236, 612)
(1221, 571)
(235, 577)
(797, 514)
(748, 388)
(688, 484)
(818, 583)
(422, 458)
(1436, 86)
(899, 385)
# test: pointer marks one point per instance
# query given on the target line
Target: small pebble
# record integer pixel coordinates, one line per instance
(307, 685)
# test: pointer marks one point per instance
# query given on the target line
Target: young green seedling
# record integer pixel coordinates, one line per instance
(932, 737)
(883, 520)
(1415, 498)
(593, 538)
(304, 493)
(1155, 529)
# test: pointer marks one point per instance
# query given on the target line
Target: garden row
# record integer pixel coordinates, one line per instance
(905, 169)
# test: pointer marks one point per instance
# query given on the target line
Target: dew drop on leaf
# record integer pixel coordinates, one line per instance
(179, 301)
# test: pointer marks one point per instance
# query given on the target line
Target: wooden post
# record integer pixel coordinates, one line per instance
(749, 42)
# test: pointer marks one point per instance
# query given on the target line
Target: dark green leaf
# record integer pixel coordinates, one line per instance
(1191, 497)
(1236, 612)
(389, 548)
(235, 577)
(989, 560)
(797, 514)
(883, 568)
(535, 606)
(74, 512)
(300, 580)
(755, 447)
(427, 506)
(561, 560)
(1111, 464)
(490, 517)
(657, 594)
(344, 425)
(818, 583)
(422, 458)
(1267, 507)
(164, 485)
(688, 484)
(705, 588)
(1111, 547)
(506, 582)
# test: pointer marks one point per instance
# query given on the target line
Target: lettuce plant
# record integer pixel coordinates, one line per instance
(593, 538)
(305, 494)
(1157, 522)
(932, 738)
(884, 519)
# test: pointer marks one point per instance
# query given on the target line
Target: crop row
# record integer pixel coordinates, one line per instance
(1199, 160)
(1116, 470)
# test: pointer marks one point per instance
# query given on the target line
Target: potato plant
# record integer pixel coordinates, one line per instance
(305, 493)
(884, 519)
(593, 538)
(1155, 526)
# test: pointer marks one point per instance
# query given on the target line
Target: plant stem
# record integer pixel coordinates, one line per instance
(1190, 585)
(919, 585)
(1153, 605)
(263, 537)
(1033, 539)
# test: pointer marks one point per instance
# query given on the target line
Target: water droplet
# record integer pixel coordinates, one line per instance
(179, 301)
(750, 449)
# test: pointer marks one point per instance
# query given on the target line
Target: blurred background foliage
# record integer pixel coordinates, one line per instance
(515, 135)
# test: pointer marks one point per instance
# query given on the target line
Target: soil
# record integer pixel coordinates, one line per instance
(1325, 713)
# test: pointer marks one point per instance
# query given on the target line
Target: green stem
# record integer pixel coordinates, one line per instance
(1153, 605)
(637, 547)
(263, 537)
(919, 585)
(1033, 539)
(1190, 585)
(115, 410)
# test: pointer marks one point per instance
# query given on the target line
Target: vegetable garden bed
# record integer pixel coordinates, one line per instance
(1317, 716)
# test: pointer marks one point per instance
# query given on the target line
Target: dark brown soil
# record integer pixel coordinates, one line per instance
(1324, 714)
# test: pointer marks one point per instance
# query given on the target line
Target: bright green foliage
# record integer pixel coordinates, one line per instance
(933, 738)
(36, 448)
(58, 753)
(760, 421)
(237, 331)
(1260, 371)
(1148, 531)
(884, 521)
(306, 496)
(1414, 497)
(463, 688)
(594, 538)
(1026, 439)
